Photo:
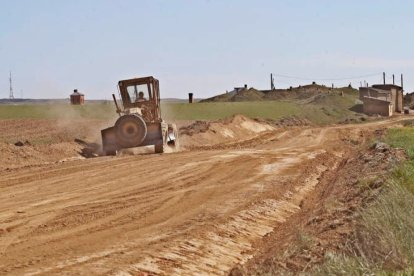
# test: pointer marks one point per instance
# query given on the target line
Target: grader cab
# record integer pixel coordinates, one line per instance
(140, 122)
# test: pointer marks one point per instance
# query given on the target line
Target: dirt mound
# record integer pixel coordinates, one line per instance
(194, 128)
(250, 94)
(291, 121)
(307, 92)
(299, 93)
(32, 142)
(236, 128)
(25, 155)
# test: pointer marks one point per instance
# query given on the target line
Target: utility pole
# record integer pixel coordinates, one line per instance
(272, 82)
(11, 96)
(393, 79)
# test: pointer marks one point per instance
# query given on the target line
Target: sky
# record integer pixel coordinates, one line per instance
(201, 46)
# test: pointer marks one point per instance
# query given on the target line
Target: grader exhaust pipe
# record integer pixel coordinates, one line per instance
(118, 110)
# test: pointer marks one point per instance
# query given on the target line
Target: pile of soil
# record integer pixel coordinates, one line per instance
(291, 121)
(195, 128)
(33, 142)
(235, 128)
(250, 94)
(306, 92)
(26, 154)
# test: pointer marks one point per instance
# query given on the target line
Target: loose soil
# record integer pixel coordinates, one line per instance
(198, 212)
(33, 142)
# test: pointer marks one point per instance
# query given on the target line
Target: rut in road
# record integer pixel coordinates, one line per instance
(216, 251)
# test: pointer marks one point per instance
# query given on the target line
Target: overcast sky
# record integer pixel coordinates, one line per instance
(204, 47)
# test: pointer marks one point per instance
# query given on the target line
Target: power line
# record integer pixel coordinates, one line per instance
(333, 79)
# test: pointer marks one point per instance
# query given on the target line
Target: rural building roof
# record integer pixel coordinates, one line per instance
(76, 93)
(386, 86)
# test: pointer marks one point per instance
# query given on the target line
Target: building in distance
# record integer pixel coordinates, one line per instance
(77, 98)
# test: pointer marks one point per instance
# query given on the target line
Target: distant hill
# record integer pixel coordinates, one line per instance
(297, 93)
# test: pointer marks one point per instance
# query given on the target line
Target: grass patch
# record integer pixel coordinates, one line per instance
(402, 138)
(330, 110)
(220, 110)
(57, 111)
(404, 175)
(335, 264)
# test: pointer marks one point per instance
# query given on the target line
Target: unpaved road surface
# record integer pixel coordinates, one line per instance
(186, 213)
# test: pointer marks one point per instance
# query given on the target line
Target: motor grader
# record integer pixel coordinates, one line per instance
(139, 123)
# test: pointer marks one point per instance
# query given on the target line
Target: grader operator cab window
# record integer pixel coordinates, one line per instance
(139, 93)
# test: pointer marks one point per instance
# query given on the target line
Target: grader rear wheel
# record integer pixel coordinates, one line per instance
(110, 152)
(130, 131)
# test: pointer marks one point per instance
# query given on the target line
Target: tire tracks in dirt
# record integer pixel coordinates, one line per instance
(166, 214)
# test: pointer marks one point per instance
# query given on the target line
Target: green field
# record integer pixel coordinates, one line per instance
(323, 110)
(57, 111)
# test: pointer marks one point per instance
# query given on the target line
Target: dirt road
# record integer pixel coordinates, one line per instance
(186, 213)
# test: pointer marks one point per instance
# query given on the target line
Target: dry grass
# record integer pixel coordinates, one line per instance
(384, 239)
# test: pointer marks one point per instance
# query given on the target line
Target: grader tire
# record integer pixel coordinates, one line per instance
(110, 152)
(130, 131)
